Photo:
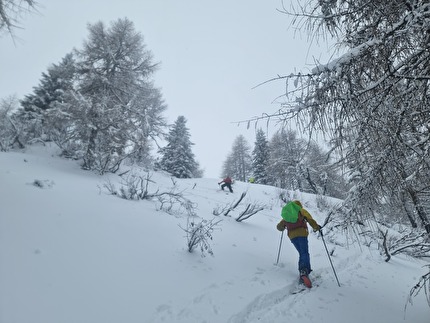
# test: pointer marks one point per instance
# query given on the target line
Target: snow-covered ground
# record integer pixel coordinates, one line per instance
(70, 252)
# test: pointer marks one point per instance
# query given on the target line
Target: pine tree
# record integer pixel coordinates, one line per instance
(177, 157)
(260, 158)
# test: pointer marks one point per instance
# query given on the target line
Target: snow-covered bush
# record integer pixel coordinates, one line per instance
(199, 235)
(423, 285)
(136, 186)
(10, 130)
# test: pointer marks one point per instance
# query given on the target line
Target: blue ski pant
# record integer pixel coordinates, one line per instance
(301, 244)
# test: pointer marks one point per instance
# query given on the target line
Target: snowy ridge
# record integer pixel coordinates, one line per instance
(70, 252)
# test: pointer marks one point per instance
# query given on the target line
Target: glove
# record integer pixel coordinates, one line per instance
(318, 229)
(280, 226)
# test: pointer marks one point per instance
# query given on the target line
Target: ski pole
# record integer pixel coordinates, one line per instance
(280, 244)
(329, 258)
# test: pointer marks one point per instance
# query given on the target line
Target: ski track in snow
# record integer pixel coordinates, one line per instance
(279, 304)
(205, 302)
(265, 307)
(273, 306)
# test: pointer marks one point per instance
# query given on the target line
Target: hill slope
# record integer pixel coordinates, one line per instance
(70, 252)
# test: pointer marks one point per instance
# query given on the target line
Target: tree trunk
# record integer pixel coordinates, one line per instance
(420, 210)
(407, 211)
(311, 183)
(89, 155)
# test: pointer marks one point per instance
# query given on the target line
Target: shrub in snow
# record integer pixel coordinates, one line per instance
(133, 187)
(228, 208)
(137, 187)
(250, 210)
(43, 183)
(175, 203)
(409, 241)
(11, 130)
(199, 235)
(38, 183)
(423, 285)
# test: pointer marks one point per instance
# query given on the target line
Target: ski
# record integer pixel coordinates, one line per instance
(298, 289)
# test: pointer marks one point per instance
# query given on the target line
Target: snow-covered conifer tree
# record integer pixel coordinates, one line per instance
(53, 85)
(177, 156)
(41, 109)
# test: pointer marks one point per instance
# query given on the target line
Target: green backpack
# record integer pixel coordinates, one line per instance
(290, 212)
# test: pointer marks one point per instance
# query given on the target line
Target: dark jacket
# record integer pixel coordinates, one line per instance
(226, 180)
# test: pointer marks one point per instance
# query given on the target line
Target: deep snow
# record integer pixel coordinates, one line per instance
(70, 252)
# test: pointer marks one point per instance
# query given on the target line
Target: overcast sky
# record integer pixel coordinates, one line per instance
(211, 54)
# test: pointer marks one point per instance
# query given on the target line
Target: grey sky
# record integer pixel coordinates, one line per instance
(211, 52)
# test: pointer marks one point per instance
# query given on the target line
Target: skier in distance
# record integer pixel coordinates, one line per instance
(227, 182)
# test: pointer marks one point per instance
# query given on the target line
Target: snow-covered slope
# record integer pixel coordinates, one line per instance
(70, 252)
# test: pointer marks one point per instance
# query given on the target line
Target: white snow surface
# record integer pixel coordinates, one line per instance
(72, 253)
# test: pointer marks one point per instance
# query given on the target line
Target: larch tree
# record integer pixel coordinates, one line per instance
(320, 176)
(372, 99)
(238, 163)
(177, 156)
(114, 110)
(99, 105)
(286, 154)
(11, 12)
(229, 167)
